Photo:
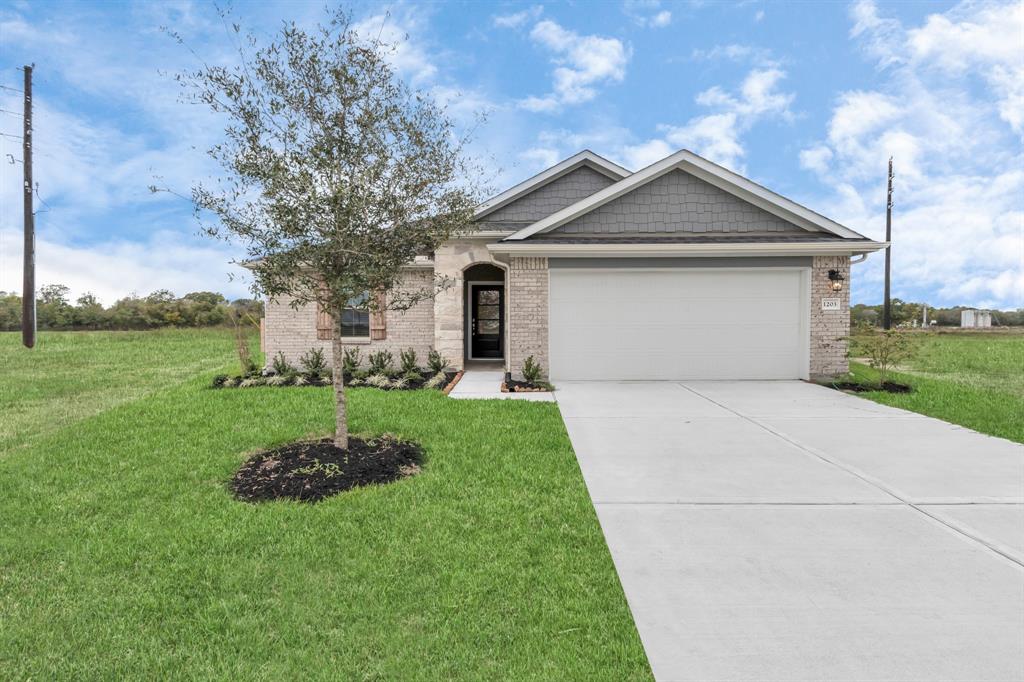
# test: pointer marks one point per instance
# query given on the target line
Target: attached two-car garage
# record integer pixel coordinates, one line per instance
(668, 323)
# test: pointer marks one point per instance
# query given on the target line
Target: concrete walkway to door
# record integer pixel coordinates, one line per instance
(786, 531)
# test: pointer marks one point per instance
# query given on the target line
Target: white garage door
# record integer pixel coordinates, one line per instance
(678, 324)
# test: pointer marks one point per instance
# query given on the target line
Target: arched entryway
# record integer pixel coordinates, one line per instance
(486, 315)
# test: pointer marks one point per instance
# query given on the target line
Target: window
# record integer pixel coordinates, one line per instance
(355, 321)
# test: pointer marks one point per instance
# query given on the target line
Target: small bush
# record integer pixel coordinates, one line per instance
(250, 382)
(436, 380)
(219, 380)
(413, 375)
(230, 382)
(885, 349)
(351, 360)
(313, 363)
(381, 362)
(399, 383)
(408, 360)
(300, 380)
(436, 362)
(281, 366)
(279, 380)
(378, 380)
(532, 370)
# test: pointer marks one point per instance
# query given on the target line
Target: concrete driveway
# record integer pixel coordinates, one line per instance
(786, 531)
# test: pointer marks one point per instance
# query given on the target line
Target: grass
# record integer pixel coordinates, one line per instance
(122, 555)
(68, 377)
(972, 379)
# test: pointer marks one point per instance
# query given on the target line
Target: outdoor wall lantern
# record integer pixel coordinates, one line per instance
(836, 279)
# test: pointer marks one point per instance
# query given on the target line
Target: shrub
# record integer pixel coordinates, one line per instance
(885, 349)
(408, 362)
(230, 382)
(532, 370)
(281, 366)
(350, 361)
(250, 382)
(381, 362)
(413, 375)
(279, 380)
(436, 380)
(378, 380)
(399, 383)
(219, 380)
(313, 362)
(300, 380)
(436, 362)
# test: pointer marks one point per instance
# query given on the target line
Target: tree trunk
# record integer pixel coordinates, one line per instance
(337, 362)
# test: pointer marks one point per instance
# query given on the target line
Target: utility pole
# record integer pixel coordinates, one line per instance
(28, 289)
(887, 309)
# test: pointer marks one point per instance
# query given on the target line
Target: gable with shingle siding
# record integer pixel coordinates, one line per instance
(677, 202)
(552, 197)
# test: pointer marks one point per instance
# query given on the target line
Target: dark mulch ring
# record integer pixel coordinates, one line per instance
(888, 387)
(513, 386)
(309, 471)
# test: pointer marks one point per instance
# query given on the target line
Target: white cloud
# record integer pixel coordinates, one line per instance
(517, 19)
(718, 135)
(948, 108)
(582, 63)
(409, 57)
(647, 13)
(759, 15)
(113, 269)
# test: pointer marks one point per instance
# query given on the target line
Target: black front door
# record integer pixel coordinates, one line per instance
(487, 320)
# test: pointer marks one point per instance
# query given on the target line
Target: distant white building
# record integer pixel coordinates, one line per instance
(975, 318)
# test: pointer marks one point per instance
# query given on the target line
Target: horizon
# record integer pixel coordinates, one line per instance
(934, 84)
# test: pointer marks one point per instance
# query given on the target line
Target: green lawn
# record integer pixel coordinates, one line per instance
(122, 555)
(972, 379)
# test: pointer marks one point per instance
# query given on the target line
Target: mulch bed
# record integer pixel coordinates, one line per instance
(513, 386)
(888, 387)
(309, 471)
(414, 384)
(301, 380)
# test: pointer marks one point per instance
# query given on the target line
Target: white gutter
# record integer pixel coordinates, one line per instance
(838, 248)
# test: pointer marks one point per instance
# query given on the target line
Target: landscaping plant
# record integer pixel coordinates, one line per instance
(335, 174)
(381, 362)
(351, 361)
(436, 362)
(408, 361)
(885, 349)
(280, 365)
(532, 370)
(313, 363)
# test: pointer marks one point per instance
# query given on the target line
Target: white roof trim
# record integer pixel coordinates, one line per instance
(584, 158)
(724, 179)
(606, 250)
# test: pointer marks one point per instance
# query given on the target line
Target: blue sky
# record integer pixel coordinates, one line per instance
(808, 99)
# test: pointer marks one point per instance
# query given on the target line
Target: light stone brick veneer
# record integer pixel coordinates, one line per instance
(293, 330)
(829, 328)
(528, 313)
(449, 319)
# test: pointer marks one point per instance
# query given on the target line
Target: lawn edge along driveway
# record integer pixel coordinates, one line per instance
(123, 553)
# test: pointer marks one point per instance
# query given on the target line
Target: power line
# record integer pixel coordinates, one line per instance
(4, 87)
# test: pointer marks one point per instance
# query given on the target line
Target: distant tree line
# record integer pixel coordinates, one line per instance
(905, 314)
(54, 310)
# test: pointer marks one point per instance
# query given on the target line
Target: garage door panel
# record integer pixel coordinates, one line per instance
(682, 324)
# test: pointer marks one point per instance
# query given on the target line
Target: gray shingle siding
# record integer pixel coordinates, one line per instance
(677, 202)
(554, 196)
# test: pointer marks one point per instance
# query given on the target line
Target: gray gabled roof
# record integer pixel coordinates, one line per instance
(584, 158)
(716, 175)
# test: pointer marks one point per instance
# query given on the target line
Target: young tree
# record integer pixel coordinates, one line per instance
(336, 174)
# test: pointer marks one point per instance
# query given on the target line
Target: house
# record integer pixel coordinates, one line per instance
(682, 270)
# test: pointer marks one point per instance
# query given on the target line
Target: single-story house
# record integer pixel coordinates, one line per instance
(682, 270)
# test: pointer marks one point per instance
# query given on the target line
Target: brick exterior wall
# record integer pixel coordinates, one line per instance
(293, 330)
(449, 321)
(554, 196)
(528, 313)
(677, 202)
(829, 328)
